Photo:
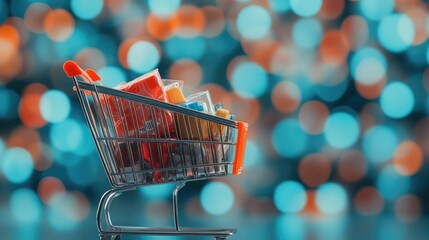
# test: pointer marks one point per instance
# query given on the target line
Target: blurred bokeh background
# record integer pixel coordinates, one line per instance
(335, 92)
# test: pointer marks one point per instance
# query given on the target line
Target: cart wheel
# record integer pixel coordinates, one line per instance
(221, 238)
(109, 237)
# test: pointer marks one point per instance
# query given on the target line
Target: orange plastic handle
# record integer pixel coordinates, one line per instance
(240, 147)
(73, 70)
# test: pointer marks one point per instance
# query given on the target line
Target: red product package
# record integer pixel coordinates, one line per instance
(159, 154)
(133, 119)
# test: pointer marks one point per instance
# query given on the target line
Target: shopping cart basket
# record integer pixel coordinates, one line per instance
(195, 146)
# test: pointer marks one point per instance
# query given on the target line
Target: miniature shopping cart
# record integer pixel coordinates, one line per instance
(166, 143)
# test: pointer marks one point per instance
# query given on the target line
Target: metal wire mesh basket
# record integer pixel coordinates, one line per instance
(143, 141)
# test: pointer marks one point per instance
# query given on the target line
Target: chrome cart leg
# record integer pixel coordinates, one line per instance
(103, 208)
(113, 232)
(110, 237)
(179, 186)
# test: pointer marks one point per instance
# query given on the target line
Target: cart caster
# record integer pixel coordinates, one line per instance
(221, 238)
(110, 237)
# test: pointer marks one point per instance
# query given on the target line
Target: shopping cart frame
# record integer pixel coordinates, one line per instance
(85, 83)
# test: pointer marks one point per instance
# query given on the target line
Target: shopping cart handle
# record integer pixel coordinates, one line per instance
(93, 75)
(73, 70)
(240, 147)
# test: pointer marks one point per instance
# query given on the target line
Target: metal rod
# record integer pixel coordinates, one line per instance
(179, 186)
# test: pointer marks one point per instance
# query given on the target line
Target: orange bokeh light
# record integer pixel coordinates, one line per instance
(59, 25)
(35, 16)
(29, 111)
(215, 21)
(158, 27)
(48, 187)
(352, 166)
(188, 21)
(372, 91)
(408, 158)
(419, 18)
(83, 205)
(368, 201)
(187, 70)
(261, 52)
(27, 138)
(19, 25)
(367, 116)
(334, 47)
(12, 67)
(245, 109)
(331, 9)
(355, 29)
(9, 43)
(314, 169)
(91, 58)
(116, 6)
(312, 116)
(286, 97)
(408, 208)
(123, 51)
(403, 5)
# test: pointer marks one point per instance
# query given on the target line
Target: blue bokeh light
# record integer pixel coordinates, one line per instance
(290, 197)
(9, 100)
(163, 8)
(25, 206)
(290, 226)
(143, 56)
(331, 198)
(366, 53)
(376, 10)
(305, 8)
(192, 48)
(111, 76)
(307, 33)
(54, 106)
(63, 212)
(341, 130)
(397, 100)
(215, 203)
(253, 22)
(157, 192)
(86, 9)
(253, 154)
(288, 138)
(391, 184)
(369, 71)
(249, 80)
(396, 32)
(66, 135)
(379, 143)
(17, 165)
(331, 93)
(280, 6)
